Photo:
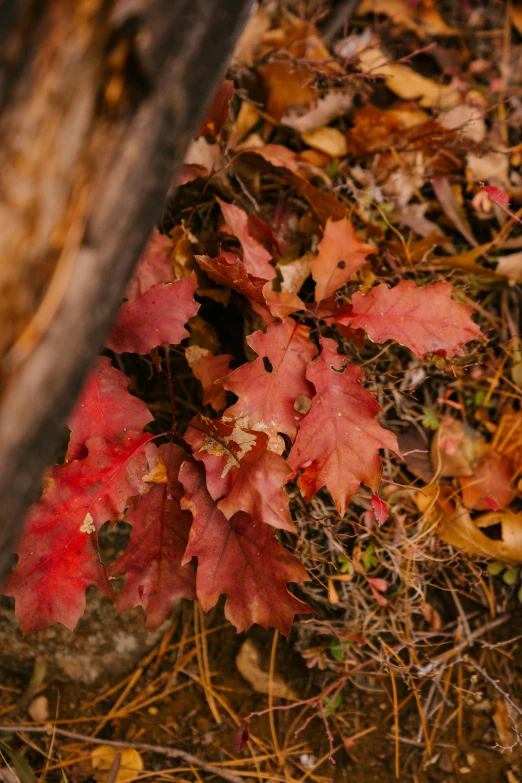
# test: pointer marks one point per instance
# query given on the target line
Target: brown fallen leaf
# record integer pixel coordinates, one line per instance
(456, 448)
(423, 18)
(456, 527)
(491, 485)
(131, 763)
(248, 662)
(405, 82)
(451, 203)
(328, 140)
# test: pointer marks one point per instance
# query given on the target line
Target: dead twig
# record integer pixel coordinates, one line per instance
(161, 750)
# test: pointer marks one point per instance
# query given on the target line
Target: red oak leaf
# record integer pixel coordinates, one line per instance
(154, 266)
(156, 579)
(340, 254)
(105, 409)
(157, 317)
(241, 736)
(281, 303)
(268, 396)
(209, 370)
(219, 109)
(421, 318)
(255, 257)
(338, 441)
(380, 509)
(229, 270)
(239, 559)
(57, 552)
(496, 195)
(242, 473)
(491, 485)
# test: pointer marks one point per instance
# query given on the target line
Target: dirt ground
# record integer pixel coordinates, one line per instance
(180, 689)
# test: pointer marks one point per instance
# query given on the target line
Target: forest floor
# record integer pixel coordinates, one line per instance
(420, 106)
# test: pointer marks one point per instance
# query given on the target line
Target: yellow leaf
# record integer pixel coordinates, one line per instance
(405, 82)
(329, 140)
(131, 763)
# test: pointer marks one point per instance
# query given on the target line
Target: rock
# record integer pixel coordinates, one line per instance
(101, 645)
(39, 709)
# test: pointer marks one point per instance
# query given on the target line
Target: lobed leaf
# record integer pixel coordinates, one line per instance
(57, 551)
(158, 316)
(268, 397)
(338, 441)
(255, 257)
(242, 473)
(424, 319)
(155, 576)
(340, 254)
(241, 559)
(105, 409)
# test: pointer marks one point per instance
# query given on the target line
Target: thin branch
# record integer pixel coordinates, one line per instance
(161, 750)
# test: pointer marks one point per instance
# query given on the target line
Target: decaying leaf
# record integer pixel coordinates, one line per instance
(242, 473)
(456, 449)
(490, 487)
(131, 763)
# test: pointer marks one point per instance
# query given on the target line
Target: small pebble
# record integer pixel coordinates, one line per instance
(39, 709)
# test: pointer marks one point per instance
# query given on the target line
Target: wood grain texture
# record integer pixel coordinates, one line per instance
(99, 101)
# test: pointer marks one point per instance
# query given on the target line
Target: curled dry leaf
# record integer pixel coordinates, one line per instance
(405, 82)
(490, 487)
(241, 736)
(328, 140)
(456, 449)
(457, 528)
(248, 662)
(422, 18)
(218, 111)
(327, 108)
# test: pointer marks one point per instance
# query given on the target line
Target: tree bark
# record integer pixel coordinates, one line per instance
(98, 103)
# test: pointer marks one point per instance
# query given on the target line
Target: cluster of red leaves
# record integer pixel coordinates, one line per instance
(204, 513)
